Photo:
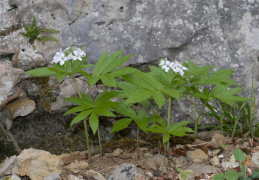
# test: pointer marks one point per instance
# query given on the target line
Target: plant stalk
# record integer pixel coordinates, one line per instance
(138, 141)
(168, 121)
(100, 143)
(87, 142)
(85, 123)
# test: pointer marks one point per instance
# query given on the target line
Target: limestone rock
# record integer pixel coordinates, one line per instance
(126, 172)
(255, 158)
(202, 168)
(37, 164)
(69, 158)
(196, 155)
(214, 161)
(8, 166)
(91, 174)
(53, 176)
(218, 139)
(77, 166)
(157, 161)
(72, 177)
(117, 152)
(9, 77)
(21, 107)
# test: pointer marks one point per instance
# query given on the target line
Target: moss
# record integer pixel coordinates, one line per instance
(45, 96)
(10, 29)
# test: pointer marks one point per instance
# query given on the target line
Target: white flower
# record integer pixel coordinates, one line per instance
(165, 67)
(63, 59)
(162, 62)
(79, 52)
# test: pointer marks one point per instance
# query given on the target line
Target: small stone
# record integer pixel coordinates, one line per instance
(126, 172)
(180, 161)
(72, 177)
(214, 161)
(215, 152)
(8, 166)
(188, 176)
(53, 176)
(157, 161)
(15, 177)
(255, 158)
(218, 139)
(220, 156)
(202, 168)
(77, 166)
(117, 152)
(196, 155)
(91, 174)
(149, 174)
(148, 155)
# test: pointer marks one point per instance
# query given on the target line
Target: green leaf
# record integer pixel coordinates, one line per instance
(121, 124)
(76, 109)
(41, 72)
(138, 96)
(148, 78)
(106, 66)
(123, 71)
(219, 177)
(105, 96)
(255, 173)
(159, 98)
(173, 93)
(97, 69)
(88, 65)
(239, 155)
(103, 112)
(81, 116)
(93, 80)
(78, 101)
(245, 178)
(232, 175)
(166, 137)
(94, 122)
(126, 111)
(61, 76)
(118, 62)
(232, 99)
(108, 80)
(173, 126)
(155, 128)
(181, 131)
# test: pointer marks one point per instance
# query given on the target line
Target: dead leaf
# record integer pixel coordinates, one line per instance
(246, 134)
(247, 162)
(251, 142)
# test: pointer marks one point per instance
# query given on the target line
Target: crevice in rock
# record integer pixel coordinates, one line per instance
(10, 29)
(13, 6)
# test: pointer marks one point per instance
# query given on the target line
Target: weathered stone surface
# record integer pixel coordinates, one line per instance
(21, 107)
(37, 164)
(53, 176)
(69, 158)
(157, 161)
(218, 140)
(77, 166)
(91, 174)
(202, 168)
(126, 172)
(196, 155)
(8, 166)
(255, 158)
(9, 77)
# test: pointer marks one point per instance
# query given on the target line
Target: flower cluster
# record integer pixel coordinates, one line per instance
(175, 66)
(68, 54)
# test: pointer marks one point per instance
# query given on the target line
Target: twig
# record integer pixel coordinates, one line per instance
(11, 137)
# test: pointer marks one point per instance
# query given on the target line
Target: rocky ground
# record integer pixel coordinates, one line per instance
(201, 159)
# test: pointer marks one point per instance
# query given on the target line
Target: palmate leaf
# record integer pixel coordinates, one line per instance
(140, 83)
(103, 111)
(121, 124)
(76, 109)
(141, 120)
(41, 72)
(99, 63)
(126, 111)
(148, 78)
(105, 96)
(155, 128)
(61, 76)
(138, 96)
(159, 98)
(181, 131)
(80, 101)
(173, 126)
(172, 93)
(108, 80)
(81, 116)
(94, 122)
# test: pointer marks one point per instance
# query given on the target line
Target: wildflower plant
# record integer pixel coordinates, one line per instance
(73, 60)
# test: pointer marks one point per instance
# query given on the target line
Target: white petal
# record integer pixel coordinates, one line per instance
(162, 62)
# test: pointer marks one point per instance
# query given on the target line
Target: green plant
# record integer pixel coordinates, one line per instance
(232, 175)
(184, 174)
(70, 62)
(33, 32)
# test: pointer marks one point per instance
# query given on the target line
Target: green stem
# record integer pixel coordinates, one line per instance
(168, 120)
(138, 141)
(195, 119)
(85, 123)
(87, 142)
(100, 143)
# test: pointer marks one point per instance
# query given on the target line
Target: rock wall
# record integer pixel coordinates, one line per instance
(208, 32)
